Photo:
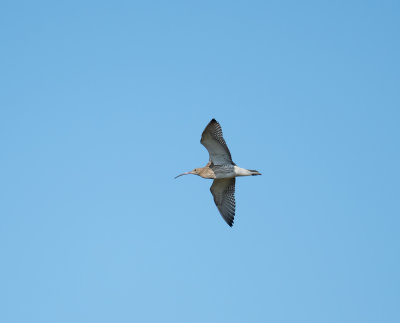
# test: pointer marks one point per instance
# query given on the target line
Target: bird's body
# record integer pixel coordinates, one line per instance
(212, 171)
(221, 169)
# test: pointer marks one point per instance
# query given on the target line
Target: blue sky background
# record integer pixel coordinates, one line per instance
(103, 103)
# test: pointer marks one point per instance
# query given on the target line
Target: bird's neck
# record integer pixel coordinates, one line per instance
(207, 172)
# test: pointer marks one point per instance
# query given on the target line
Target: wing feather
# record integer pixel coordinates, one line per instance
(214, 142)
(223, 191)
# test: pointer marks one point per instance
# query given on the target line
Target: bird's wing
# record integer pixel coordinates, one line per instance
(213, 140)
(223, 191)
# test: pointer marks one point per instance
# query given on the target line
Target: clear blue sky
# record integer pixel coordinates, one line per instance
(103, 103)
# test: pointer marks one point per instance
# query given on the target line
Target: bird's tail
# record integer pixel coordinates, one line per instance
(254, 172)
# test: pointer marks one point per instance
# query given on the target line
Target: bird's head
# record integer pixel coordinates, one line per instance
(195, 171)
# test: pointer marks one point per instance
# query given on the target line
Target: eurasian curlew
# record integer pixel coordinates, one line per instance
(221, 169)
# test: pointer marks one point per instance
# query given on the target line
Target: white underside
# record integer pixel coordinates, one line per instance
(241, 171)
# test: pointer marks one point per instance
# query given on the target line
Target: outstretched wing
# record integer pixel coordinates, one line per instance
(223, 191)
(213, 140)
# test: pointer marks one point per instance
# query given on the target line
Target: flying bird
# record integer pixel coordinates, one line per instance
(221, 169)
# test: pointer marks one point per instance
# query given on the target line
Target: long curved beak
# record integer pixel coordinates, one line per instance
(187, 173)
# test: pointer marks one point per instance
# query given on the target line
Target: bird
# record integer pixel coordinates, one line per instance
(221, 169)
